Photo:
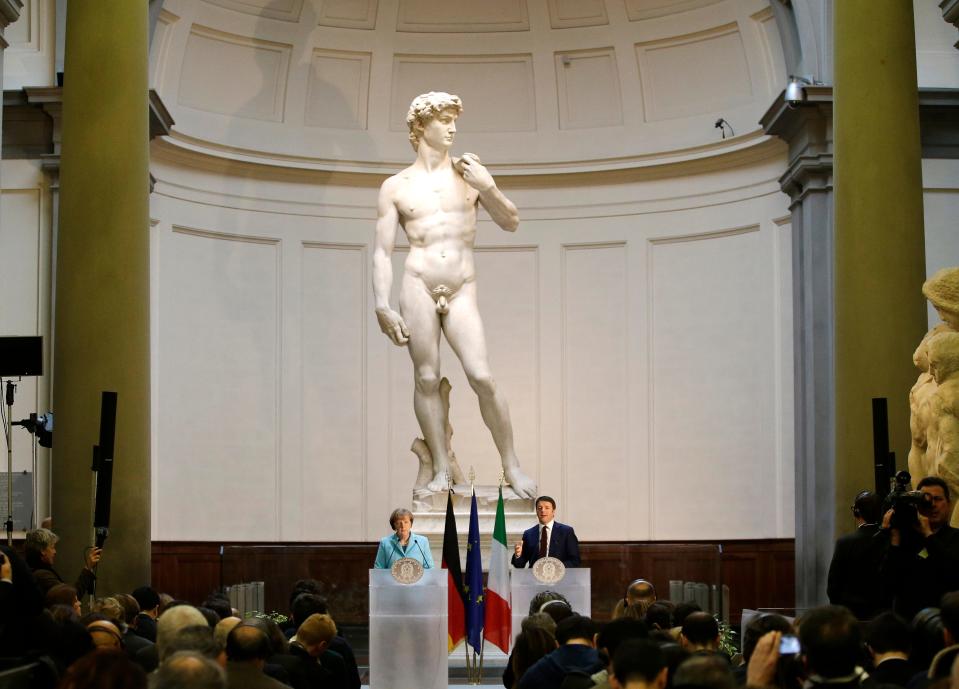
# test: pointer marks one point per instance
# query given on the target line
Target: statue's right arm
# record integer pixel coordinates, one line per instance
(390, 322)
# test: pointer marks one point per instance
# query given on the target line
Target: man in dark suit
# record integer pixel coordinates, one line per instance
(549, 537)
(853, 573)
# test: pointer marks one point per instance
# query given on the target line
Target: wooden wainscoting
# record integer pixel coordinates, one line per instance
(759, 573)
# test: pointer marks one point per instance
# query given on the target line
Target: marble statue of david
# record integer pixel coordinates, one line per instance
(434, 200)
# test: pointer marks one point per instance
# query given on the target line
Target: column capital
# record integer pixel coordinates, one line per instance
(807, 129)
(950, 12)
(9, 12)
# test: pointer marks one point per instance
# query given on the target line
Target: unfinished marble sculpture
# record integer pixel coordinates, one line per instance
(944, 407)
(435, 201)
(922, 460)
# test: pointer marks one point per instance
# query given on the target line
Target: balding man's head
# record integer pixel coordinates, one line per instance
(247, 643)
(187, 669)
(105, 634)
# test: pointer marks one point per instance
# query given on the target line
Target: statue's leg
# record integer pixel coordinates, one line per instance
(464, 331)
(419, 312)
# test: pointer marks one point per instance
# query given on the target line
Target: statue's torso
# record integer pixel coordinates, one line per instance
(438, 213)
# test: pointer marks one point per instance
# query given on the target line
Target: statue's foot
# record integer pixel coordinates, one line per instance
(523, 485)
(438, 483)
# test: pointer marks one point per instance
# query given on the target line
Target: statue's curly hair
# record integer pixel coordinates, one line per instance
(425, 107)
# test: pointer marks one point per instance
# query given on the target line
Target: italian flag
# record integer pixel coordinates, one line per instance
(498, 615)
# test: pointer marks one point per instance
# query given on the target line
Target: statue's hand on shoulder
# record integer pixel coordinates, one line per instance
(474, 173)
(393, 325)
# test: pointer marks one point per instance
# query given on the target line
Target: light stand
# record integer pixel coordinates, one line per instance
(9, 431)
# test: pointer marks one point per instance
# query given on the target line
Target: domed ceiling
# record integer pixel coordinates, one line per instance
(546, 84)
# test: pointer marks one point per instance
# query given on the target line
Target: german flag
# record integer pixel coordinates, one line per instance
(455, 595)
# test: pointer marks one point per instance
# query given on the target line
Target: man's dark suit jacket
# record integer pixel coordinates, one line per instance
(563, 545)
(854, 573)
(896, 671)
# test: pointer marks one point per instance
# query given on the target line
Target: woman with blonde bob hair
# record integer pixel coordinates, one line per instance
(403, 543)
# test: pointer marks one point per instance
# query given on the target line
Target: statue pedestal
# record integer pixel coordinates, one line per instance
(429, 517)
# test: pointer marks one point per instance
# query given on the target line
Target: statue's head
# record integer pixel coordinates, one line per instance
(425, 107)
(942, 289)
(944, 356)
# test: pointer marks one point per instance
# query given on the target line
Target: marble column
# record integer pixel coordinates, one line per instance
(102, 286)
(808, 181)
(880, 246)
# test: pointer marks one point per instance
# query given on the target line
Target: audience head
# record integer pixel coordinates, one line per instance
(831, 641)
(197, 638)
(313, 586)
(558, 610)
(248, 643)
(888, 633)
(189, 670)
(306, 604)
(172, 621)
(927, 637)
(63, 594)
(166, 601)
(700, 631)
(761, 625)
(222, 630)
(147, 599)
(63, 613)
(219, 604)
(618, 631)
(277, 638)
(315, 633)
(575, 629)
(130, 606)
(659, 615)
(639, 663)
(110, 607)
(544, 597)
(540, 620)
(684, 610)
(704, 672)
(40, 547)
(105, 634)
(868, 507)
(209, 615)
(111, 669)
(530, 645)
(949, 613)
(937, 491)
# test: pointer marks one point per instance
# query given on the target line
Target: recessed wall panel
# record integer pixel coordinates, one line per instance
(338, 90)
(595, 393)
(638, 10)
(284, 10)
(462, 16)
(234, 75)
(566, 14)
(713, 372)
(218, 387)
(587, 84)
(693, 74)
(348, 14)
(479, 80)
(333, 318)
(20, 34)
(774, 61)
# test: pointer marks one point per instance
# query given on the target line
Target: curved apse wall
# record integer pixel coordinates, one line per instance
(639, 321)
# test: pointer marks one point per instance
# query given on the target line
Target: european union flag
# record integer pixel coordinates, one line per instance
(474, 582)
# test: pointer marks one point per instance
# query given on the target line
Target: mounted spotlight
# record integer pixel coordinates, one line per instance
(722, 125)
(795, 91)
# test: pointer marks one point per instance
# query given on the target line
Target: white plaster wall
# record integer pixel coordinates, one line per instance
(937, 60)
(638, 323)
(940, 201)
(25, 280)
(29, 61)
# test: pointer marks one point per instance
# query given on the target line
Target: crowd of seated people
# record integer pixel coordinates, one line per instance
(679, 647)
(146, 639)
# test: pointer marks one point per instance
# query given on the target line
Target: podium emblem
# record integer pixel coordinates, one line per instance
(406, 570)
(549, 570)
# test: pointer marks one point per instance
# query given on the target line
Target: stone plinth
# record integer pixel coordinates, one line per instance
(429, 513)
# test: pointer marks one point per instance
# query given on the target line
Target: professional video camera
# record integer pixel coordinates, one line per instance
(906, 504)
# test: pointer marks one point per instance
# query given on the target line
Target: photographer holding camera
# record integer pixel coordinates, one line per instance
(922, 561)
